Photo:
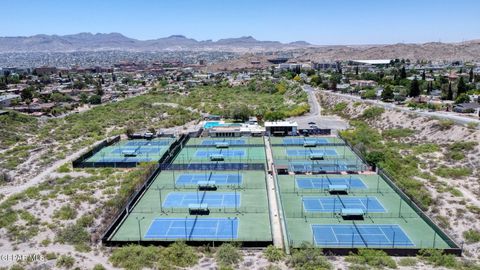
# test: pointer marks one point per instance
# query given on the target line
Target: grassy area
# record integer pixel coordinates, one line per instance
(261, 98)
(403, 168)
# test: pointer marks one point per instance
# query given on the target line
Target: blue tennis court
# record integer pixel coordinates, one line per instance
(360, 235)
(225, 153)
(212, 199)
(335, 204)
(324, 182)
(147, 143)
(320, 165)
(138, 151)
(193, 228)
(297, 141)
(125, 159)
(304, 152)
(229, 141)
(219, 179)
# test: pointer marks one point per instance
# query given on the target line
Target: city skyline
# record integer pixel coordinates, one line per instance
(320, 23)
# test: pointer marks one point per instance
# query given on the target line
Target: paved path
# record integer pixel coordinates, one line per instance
(315, 114)
(272, 200)
(463, 120)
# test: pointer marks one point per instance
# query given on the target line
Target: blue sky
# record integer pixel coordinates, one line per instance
(318, 22)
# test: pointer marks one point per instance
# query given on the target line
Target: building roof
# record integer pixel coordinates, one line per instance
(281, 124)
(468, 105)
(373, 62)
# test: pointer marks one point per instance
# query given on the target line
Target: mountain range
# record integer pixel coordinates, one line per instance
(469, 50)
(117, 41)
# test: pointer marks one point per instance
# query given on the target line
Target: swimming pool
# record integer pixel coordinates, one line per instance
(212, 124)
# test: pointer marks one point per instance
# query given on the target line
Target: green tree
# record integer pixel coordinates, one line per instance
(470, 77)
(316, 80)
(423, 75)
(462, 98)
(83, 98)
(98, 89)
(461, 87)
(403, 73)
(27, 93)
(450, 92)
(414, 88)
(95, 99)
(387, 93)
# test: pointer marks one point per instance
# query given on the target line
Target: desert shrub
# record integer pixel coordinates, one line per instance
(447, 172)
(228, 254)
(179, 254)
(397, 133)
(372, 113)
(308, 257)
(471, 236)
(98, 267)
(65, 261)
(371, 257)
(407, 261)
(339, 107)
(273, 254)
(135, 257)
(445, 124)
(437, 258)
(74, 234)
(65, 212)
(65, 168)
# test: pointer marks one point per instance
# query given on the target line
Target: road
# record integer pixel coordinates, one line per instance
(463, 120)
(315, 115)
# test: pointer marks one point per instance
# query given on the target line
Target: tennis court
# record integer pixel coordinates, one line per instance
(297, 141)
(147, 142)
(229, 141)
(337, 203)
(193, 228)
(212, 199)
(217, 179)
(325, 182)
(134, 151)
(307, 152)
(225, 153)
(361, 235)
(317, 166)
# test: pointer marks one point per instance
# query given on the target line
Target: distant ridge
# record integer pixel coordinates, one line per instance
(117, 41)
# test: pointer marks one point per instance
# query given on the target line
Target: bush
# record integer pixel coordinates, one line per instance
(65, 168)
(227, 255)
(135, 257)
(179, 254)
(471, 236)
(372, 112)
(339, 107)
(273, 254)
(373, 258)
(447, 172)
(65, 212)
(65, 261)
(445, 124)
(98, 267)
(408, 261)
(308, 257)
(436, 257)
(397, 133)
(73, 234)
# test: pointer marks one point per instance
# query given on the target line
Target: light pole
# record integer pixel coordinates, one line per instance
(139, 229)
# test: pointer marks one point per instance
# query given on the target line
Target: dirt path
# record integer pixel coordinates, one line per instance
(8, 191)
